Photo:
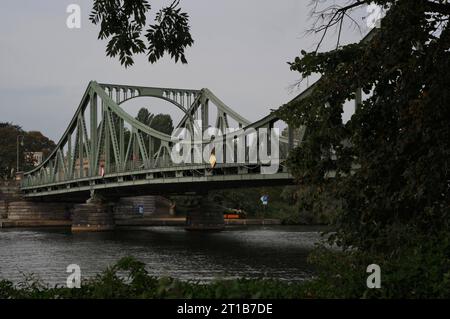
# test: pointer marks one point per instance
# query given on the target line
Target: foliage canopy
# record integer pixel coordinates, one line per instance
(398, 138)
(32, 141)
(123, 22)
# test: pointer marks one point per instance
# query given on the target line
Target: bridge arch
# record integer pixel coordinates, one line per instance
(87, 153)
(181, 98)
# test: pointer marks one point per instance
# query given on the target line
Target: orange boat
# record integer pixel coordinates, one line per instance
(234, 214)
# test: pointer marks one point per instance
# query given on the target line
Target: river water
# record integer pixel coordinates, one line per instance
(266, 251)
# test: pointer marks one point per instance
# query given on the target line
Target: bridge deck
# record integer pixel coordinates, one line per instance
(176, 180)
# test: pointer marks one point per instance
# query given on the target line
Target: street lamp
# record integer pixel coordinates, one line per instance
(19, 137)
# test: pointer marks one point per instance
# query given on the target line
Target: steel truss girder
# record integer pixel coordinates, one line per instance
(106, 136)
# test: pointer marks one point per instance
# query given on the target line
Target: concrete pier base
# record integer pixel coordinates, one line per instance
(203, 214)
(9, 191)
(95, 215)
(27, 210)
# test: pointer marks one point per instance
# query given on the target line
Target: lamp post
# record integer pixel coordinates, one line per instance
(19, 137)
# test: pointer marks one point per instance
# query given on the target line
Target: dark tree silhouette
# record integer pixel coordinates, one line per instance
(122, 22)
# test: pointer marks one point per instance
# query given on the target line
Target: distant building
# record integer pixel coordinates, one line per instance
(34, 158)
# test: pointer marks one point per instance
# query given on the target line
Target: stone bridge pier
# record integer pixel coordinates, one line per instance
(95, 215)
(100, 214)
(202, 214)
(15, 211)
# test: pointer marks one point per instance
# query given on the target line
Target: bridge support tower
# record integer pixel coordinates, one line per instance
(94, 215)
(202, 214)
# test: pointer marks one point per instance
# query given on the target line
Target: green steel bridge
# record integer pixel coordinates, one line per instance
(105, 154)
(107, 151)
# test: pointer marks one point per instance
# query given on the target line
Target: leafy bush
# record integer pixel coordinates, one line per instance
(420, 269)
(129, 279)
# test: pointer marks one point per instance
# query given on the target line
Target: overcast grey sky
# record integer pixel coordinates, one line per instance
(240, 53)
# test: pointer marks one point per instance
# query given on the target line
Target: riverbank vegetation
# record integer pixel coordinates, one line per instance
(129, 279)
